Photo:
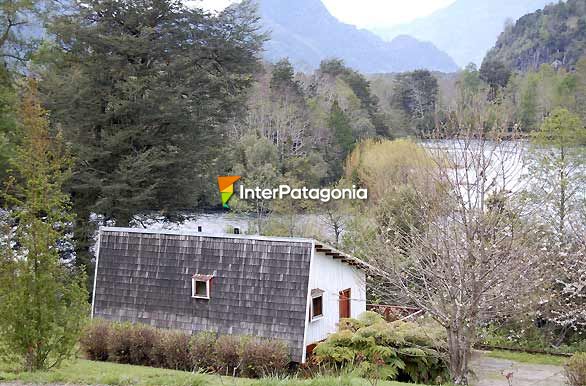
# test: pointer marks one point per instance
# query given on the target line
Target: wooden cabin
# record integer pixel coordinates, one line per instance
(292, 289)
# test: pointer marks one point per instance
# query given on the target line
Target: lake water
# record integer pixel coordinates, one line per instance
(215, 222)
(509, 156)
(224, 222)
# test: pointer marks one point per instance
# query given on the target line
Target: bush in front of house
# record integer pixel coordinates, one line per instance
(94, 340)
(139, 344)
(130, 344)
(575, 370)
(120, 343)
(228, 354)
(144, 343)
(173, 351)
(374, 348)
(202, 350)
(260, 359)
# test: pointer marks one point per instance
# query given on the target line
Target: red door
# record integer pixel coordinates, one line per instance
(345, 303)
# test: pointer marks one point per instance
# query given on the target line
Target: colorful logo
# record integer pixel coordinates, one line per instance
(226, 184)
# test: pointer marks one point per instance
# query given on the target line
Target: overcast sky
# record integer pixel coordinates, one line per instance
(365, 13)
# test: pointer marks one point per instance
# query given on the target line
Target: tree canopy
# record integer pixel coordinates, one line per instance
(555, 34)
(141, 90)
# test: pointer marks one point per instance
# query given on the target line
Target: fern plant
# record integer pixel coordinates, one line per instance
(378, 350)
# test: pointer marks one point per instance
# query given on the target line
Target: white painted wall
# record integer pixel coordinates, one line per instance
(333, 276)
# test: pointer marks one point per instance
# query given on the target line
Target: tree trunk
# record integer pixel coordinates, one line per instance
(459, 348)
(562, 203)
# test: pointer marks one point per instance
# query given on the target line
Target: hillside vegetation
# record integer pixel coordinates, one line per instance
(556, 34)
(476, 24)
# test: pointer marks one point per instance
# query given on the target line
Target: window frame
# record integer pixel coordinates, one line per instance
(207, 279)
(316, 294)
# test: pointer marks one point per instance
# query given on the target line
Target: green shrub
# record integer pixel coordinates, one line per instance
(132, 344)
(262, 358)
(143, 341)
(202, 351)
(575, 370)
(365, 319)
(94, 340)
(228, 354)
(574, 347)
(399, 350)
(529, 334)
(516, 334)
(172, 351)
(140, 344)
(120, 343)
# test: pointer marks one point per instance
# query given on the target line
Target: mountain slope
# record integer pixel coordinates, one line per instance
(467, 29)
(556, 33)
(307, 33)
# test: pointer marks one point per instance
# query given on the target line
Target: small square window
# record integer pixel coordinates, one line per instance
(200, 286)
(317, 307)
(317, 304)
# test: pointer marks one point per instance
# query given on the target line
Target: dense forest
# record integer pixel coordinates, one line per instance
(553, 35)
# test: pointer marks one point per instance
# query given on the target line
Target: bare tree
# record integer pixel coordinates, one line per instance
(568, 308)
(471, 256)
(280, 115)
(335, 221)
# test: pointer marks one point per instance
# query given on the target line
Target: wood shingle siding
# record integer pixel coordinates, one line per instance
(259, 287)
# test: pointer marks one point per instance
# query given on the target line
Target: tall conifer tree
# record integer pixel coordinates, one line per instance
(141, 89)
(43, 303)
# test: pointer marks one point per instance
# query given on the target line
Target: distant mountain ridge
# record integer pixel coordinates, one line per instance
(306, 33)
(554, 35)
(466, 29)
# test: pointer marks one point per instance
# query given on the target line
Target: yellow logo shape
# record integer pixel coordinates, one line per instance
(226, 184)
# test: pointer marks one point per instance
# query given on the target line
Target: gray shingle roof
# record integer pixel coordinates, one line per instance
(259, 285)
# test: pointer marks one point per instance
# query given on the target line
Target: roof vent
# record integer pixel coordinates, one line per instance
(199, 228)
(236, 230)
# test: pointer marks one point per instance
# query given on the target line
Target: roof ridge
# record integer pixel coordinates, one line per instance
(189, 232)
(317, 244)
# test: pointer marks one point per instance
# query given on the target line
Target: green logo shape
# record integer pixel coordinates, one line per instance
(226, 185)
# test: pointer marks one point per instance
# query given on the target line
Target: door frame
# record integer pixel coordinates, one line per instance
(345, 296)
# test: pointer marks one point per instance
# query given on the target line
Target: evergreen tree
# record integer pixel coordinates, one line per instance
(283, 78)
(580, 76)
(342, 131)
(496, 74)
(332, 67)
(360, 86)
(528, 105)
(469, 88)
(43, 303)
(344, 141)
(8, 135)
(416, 94)
(141, 89)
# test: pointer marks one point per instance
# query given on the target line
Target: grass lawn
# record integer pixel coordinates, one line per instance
(103, 373)
(537, 359)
